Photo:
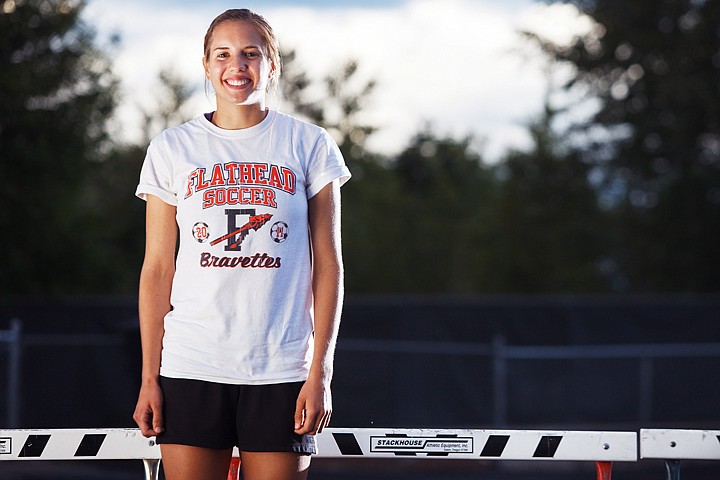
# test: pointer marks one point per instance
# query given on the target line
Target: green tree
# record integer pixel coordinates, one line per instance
(655, 68)
(338, 109)
(441, 223)
(550, 234)
(172, 97)
(370, 197)
(120, 226)
(411, 224)
(56, 92)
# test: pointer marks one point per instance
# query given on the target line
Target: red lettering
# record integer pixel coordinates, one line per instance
(256, 196)
(208, 199)
(192, 178)
(239, 196)
(275, 180)
(269, 198)
(217, 176)
(289, 179)
(202, 184)
(221, 196)
(259, 171)
(245, 175)
(232, 169)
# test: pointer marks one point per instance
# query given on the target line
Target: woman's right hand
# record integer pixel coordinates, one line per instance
(148, 411)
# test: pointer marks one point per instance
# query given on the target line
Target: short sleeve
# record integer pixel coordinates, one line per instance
(325, 164)
(156, 176)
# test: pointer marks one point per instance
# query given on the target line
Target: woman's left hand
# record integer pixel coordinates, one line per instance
(313, 408)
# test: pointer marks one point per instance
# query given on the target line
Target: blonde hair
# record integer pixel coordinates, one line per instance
(271, 48)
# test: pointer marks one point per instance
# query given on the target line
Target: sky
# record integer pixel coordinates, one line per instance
(459, 66)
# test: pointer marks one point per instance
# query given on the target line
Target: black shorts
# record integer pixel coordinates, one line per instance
(255, 418)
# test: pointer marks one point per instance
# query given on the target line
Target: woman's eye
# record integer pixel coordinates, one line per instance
(222, 55)
(252, 54)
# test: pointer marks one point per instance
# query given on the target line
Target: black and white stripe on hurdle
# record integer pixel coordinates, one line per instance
(481, 444)
(76, 444)
(114, 444)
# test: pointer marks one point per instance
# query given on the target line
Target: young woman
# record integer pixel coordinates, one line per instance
(239, 326)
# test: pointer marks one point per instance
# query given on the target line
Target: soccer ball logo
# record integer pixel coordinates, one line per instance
(201, 232)
(279, 232)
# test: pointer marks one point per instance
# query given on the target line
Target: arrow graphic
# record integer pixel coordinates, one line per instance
(255, 222)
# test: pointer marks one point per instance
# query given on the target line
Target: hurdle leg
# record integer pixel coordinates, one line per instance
(234, 472)
(673, 469)
(604, 470)
(152, 468)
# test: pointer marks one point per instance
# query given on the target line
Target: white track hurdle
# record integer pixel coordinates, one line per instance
(675, 445)
(603, 448)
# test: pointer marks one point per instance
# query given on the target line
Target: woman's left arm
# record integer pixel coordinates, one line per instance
(314, 404)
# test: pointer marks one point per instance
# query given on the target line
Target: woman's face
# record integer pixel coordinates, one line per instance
(237, 66)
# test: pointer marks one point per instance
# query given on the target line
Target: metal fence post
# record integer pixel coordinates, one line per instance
(14, 366)
(647, 372)
(499, 363)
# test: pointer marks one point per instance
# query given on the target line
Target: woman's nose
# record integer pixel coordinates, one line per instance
(239, 64)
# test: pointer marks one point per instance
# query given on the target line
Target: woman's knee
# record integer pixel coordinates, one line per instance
(274, 465)
(183, 462)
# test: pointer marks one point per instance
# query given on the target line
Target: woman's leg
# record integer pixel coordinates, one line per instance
(182, 462)
(274, 465)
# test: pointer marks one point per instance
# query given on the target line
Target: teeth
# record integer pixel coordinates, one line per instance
(238, 83)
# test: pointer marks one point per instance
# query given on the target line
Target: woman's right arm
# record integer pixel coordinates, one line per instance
(153, 304)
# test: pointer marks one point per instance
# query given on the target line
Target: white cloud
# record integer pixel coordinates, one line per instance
(453, 63)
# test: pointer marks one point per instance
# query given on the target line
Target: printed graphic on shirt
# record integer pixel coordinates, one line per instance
(236, 183)
(250, 187)
(236, 235)
(201, 232)
(258, 260)
(279, 232)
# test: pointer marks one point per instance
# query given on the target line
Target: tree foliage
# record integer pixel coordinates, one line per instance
(636, 209)
(440, 218)
(549, 234)
(338, 106)
(173, 94)
(122, 225)
(56, 93)
(409, 222)
(655, 67)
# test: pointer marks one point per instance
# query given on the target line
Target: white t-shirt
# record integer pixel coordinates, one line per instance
(242, 294)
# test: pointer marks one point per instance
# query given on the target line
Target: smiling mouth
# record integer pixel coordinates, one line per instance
(237, 82)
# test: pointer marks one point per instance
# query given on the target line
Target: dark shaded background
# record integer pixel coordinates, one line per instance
(415, 361)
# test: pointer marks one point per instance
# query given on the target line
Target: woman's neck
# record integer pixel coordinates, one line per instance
(238, 117)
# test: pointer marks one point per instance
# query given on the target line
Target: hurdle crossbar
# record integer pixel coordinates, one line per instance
(603, 448)
(480, 444)
(116, 444)
(673, 445)
(680, 444)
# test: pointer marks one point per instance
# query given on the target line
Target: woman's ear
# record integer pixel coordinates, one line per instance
(205, 67)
